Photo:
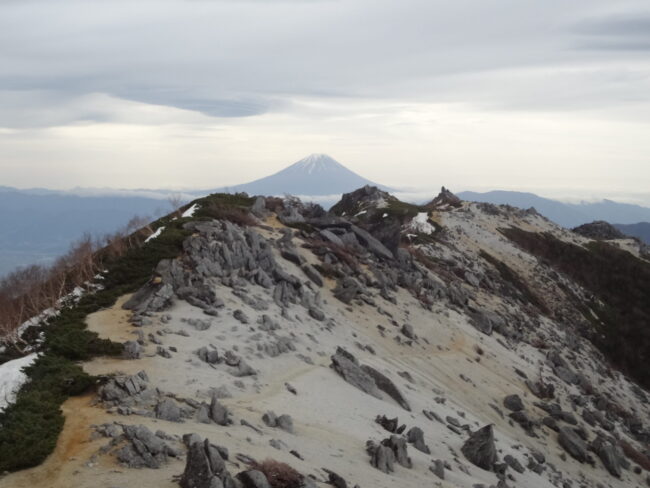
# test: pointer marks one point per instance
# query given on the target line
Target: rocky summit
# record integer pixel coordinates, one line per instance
(269, 343)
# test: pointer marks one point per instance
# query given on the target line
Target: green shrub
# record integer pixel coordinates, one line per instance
(516, 284)
(30, 426)
(224, 206)
(620, 283)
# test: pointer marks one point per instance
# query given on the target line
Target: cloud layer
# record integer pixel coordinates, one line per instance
(171, 92)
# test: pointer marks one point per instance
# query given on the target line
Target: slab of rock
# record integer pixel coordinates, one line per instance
(241, 316)
(153, 297)
(606, 451)
(387, 386)
(210, 356)
(407, 331)
(438, 469)
(218, 413)
(513, 403)
(285, 422)
(168, 410)
(346, 365)
(480, 449)
(132, 350)
(514, 463)
(253, 479)
(270, 419)
(524, 421)
(259, 208)
(204, 467)
(573, 444)
(348, 289)
(313, 274)
(316, 314)
(415, 436)
(291, 255)
(373, 245)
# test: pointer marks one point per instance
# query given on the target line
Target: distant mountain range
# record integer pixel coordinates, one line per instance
(316, 175)
(567, 214)
(39, 224)
(640, 230)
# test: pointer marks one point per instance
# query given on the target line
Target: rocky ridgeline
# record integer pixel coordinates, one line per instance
(294, 293)
(367, 264)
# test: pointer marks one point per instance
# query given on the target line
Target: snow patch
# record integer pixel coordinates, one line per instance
(190, 211)
(71, 298)
(363, 212)
(12, 378)
(155, 234)
(317, 163)
(420, 223)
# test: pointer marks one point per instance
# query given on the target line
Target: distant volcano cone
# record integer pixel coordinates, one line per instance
(315, 175)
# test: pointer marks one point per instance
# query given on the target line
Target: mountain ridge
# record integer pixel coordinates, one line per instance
(377, 344)
(568, 215)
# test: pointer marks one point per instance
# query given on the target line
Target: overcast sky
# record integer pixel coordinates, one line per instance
(551, 96)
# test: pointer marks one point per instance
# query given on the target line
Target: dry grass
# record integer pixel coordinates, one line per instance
(27, 292)
(274, 204)
(280, 475)
(432, 264)
(635, 455)
(342, 253)
(236, 215)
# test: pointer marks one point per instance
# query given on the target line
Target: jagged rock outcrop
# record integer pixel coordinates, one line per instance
(480, 449)
(381, 457)
(143, 449)
(390, 425)
(127, 390)
(205, 467)
(216, 251)
(400, 449)
(444, 200)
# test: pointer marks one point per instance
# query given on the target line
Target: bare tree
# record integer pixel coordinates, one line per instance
(176, 201)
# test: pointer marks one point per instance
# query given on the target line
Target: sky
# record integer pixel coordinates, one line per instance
(551, 97)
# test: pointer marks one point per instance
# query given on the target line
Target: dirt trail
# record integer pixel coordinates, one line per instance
(73, 448)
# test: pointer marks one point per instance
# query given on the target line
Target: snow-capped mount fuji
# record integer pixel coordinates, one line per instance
(315, 175)
(317, 163)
